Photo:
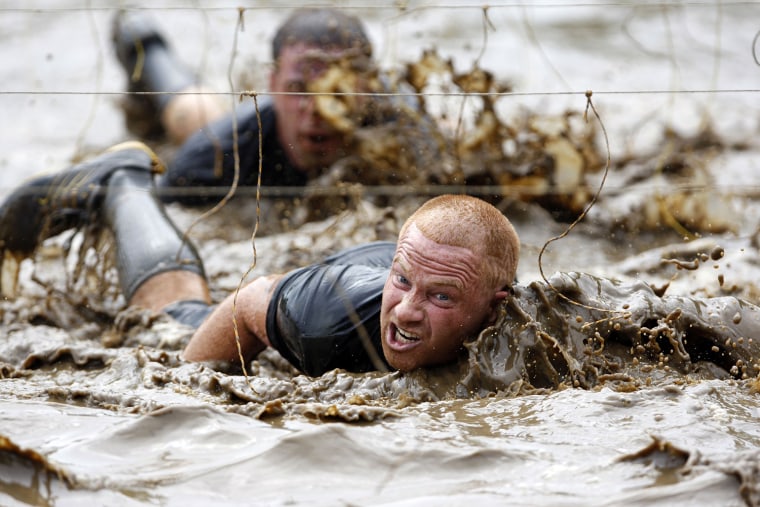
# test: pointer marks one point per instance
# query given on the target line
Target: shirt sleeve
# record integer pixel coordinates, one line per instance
(327, 316)
(204, 166)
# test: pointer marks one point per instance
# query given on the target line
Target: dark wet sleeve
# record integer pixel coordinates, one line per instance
(376, 253)
(323, 317)
(203, 167)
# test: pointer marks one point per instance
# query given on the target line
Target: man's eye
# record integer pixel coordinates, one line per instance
(442, 297)
(402, 279)
(296, 87)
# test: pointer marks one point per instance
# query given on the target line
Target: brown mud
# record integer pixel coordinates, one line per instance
(626, 377)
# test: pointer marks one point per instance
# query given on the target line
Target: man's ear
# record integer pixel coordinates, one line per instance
(498, 297)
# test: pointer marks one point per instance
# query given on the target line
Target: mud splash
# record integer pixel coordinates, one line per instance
(577, 330)
(581, 331)
(645, 392)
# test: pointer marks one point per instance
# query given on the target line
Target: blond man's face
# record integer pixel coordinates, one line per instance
(434, 299)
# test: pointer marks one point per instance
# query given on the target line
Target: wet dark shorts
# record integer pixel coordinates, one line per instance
(191, 313)
(327, 316)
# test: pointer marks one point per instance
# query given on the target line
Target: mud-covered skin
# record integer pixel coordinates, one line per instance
(610, 329)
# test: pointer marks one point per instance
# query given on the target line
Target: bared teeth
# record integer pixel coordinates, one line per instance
(405, 336)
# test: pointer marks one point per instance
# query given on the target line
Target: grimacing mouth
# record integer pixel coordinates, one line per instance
(405, 336)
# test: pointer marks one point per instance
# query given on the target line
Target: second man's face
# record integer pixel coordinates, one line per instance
(310, 142)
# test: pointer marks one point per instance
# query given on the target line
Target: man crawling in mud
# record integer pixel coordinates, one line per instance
(295, 139)
(406, 305)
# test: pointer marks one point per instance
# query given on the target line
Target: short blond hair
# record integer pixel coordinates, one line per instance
(472, 223)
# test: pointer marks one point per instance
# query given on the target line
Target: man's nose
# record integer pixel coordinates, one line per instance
(409, 308)
(306, 104)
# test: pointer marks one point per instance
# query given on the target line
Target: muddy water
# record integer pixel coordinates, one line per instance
(588, 391)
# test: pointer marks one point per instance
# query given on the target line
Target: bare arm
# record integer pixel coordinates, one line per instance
(215, 338)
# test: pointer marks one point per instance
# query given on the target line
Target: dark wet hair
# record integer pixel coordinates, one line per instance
(321, 27)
